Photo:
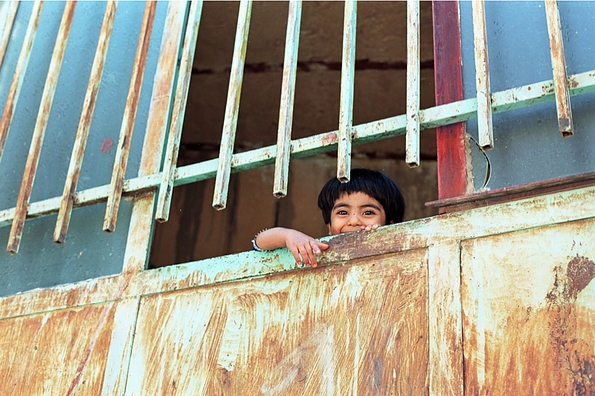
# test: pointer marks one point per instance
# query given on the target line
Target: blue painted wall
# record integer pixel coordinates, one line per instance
(527, 144)
(88, 251)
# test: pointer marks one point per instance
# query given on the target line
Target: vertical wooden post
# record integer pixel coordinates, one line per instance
(482, 77)
(347, 80)
(413, 72)
(19, 74)
(7, 16)
(232, 107)
(179, 109)
(561, 88)
(450, 140)
(41, 123)
(287, 99)
(82, 133)
(123, 149)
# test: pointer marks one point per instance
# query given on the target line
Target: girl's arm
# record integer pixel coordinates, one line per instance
(303, 247)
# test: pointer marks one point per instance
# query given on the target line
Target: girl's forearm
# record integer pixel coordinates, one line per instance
(271, 239)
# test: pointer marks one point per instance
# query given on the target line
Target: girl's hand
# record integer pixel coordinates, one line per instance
(303, 247)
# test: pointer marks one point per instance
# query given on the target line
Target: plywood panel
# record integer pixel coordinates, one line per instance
(357, 328)
(56, 353)
(528, 311)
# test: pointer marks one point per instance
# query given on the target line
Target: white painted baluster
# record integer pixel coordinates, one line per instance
(287, 99)
(19, 74)
(347, 80)
(123, 149)
(232, 106)
(561, 88)
(82, 133)
(179, 108)
(41, 123)
(482, 77)
(413, 72)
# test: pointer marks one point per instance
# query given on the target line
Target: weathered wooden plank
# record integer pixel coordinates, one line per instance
(528, 313)
(537, 301)
(351, 329)
(82, 132)
(67, 348)
(560, 208)
(287, 99)
(43, 116)
(561, 89)
(482, 77)
(123, 149)
(19, 74)
(232, 106)
(413, 72)
(504, 194)
(346, 101)
(445, 367)
(125, 315)
(178, 111)
(7, 15)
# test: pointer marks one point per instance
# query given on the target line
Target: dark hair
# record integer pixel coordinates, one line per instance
(373, 183)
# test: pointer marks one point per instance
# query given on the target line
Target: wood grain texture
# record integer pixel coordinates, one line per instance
(360, 328)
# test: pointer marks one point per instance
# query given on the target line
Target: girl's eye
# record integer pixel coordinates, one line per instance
(342, 212)
(369, 213)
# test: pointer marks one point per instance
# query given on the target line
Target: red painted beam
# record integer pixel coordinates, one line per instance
(450, 140)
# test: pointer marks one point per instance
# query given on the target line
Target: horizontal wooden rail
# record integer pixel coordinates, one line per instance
(432, 117)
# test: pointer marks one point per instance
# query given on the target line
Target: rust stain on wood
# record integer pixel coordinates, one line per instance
(530, 333)
(354, 329)
(42, 354)
(575, 368)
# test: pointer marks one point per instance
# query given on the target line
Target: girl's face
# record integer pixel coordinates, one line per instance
(355, 212)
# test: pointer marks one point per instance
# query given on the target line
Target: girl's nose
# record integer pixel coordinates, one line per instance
(354, 220)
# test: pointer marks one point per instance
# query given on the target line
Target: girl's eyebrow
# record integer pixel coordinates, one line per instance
(345, 205)
(370, 205)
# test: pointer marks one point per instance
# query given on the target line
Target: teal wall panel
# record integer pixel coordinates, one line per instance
(88, 251)
(528, 146)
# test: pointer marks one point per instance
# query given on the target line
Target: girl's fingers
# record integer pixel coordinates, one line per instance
(305, 253)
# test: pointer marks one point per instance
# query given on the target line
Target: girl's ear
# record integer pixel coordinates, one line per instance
(392, 222)
(329, 229)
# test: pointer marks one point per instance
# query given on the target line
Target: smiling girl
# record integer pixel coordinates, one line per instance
(370, 199)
